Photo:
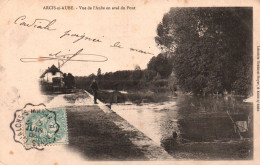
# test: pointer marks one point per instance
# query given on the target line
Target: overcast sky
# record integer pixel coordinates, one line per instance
(132, 28)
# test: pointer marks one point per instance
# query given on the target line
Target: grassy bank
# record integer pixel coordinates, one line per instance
(94, 134)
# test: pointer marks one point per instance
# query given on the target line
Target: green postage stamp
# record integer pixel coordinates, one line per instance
(34, 126)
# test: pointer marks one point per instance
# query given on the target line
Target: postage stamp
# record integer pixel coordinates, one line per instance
(34, 126)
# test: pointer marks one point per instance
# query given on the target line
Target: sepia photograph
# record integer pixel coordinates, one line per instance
(111, 82)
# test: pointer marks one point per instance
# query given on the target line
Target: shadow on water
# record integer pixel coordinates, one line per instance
(209, 119)
(206, 127)
(213, 128)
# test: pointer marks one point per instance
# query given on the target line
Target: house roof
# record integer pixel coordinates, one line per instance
(53, 69)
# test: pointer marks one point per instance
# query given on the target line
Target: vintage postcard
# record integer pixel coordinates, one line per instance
(129, 81)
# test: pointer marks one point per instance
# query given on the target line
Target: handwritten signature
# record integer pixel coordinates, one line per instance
(79, 37)
(48, 25)
(64, 58)
(38, 23)
(116, 45)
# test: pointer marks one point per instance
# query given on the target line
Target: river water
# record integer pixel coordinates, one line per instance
(194, 119)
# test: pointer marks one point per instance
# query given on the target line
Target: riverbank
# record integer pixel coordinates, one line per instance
(100, 134)
(106, 136)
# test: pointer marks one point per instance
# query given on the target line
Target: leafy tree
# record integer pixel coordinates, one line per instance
(149, 74)
(137, 75)
(161, 64)
(137, 67)
(211, 48)
(99, 72)
(69, 80)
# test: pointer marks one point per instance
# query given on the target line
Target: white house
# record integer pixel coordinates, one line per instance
(51, 74)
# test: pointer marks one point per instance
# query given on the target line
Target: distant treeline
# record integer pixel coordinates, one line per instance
(129, 80)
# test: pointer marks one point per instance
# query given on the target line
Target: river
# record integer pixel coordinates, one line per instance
(194, 119)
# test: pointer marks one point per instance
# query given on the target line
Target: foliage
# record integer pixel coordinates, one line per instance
(99, 72)
(211, 48)
(69, 80)
(137, 67)
(161, 64)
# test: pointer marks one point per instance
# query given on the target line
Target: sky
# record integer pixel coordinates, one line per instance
(131, 28)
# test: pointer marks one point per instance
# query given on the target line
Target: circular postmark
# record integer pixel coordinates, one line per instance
(34, 126)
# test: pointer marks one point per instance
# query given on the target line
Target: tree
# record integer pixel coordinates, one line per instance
(211, 48)
(137, 67)
(69, 80)
(161, 64)
(99, 72)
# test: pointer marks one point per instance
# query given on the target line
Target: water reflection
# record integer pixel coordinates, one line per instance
(194, 119)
